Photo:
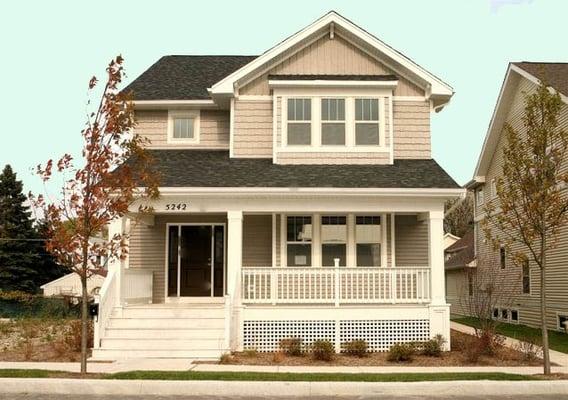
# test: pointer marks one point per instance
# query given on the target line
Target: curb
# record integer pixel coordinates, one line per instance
(278, 389)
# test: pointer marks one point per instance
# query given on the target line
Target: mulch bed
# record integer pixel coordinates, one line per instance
(505, 357)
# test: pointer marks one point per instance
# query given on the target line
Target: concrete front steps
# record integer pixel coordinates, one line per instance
(190, 330)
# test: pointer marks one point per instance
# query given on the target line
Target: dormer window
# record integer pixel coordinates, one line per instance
(183, 126)
(299, 122)
(367, 122)
(333, 122)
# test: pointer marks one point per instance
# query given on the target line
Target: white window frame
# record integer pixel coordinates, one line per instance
(383, 95)
(367, 122)
(285, 121)
(284, 256)
(382, 243)
(323, 121)
(173, 114)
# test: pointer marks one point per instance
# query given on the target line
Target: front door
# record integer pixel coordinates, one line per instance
(196, 260)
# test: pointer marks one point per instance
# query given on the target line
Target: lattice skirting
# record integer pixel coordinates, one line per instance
(379, 334)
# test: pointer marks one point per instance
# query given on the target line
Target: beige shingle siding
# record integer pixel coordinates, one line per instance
(329, 57)
(411, 241)
(322, 157)
(214, 129)
(411, 129)
(252, 136)
(557, 274)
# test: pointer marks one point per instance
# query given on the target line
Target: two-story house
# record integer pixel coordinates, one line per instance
(523, 306)
(299, 198)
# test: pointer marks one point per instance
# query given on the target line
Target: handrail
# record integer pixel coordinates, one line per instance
(335, 285)
(107, 301)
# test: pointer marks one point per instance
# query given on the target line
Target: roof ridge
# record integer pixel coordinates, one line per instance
(209, 55)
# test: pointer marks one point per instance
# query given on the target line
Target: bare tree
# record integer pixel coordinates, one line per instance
(459, 215)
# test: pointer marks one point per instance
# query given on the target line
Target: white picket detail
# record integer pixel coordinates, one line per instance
(340, 285)
(107, 299)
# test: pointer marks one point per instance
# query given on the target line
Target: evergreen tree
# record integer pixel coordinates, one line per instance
(24, 262)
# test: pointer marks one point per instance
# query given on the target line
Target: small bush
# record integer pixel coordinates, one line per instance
(72, 337)
(278, 357)
(226, 358)
(433, 347)
(401, 352)
(472, 348)
(323, 350)
(530, 348)
(357, 348)
(292, 347)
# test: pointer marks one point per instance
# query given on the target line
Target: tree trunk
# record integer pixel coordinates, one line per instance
(84, 322)
(543, 309)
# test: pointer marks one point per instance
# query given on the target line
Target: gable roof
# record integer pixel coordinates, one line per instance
(462, 252)
(184, 77)
(215, 169)
(332, 22)
(557, 76)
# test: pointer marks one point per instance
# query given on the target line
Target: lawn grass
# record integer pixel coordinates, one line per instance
(315, 377)
(557, 340)
(270, 376)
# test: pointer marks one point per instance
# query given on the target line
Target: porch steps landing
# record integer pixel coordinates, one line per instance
(190, 330)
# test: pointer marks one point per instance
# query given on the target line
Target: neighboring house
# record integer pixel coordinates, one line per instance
(70, 285)
(521, 78)
(450, 239)
(299, 198)
(459, 265)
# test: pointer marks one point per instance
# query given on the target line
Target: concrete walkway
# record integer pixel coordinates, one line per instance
(556, 357)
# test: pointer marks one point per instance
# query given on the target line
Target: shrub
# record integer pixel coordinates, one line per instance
(226, 358)
(401, 352)
(72, 337)
(530, 348)
(433, 347)
(292, 347)
(357, 348)
(472, 348)
(323, 350)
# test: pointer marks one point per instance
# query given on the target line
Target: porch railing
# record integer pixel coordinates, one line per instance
(137, 285)
(107, 300)
(335, 285)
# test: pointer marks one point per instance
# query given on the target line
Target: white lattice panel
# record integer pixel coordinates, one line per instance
(380, 335)
(266, 335)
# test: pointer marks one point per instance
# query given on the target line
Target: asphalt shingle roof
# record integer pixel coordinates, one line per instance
(462, 252)
(556, 74)
(184, 77)
(214, 168)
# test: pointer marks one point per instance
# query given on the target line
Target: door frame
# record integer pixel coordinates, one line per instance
(178, 298)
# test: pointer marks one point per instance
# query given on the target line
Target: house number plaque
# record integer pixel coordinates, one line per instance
(176, 206)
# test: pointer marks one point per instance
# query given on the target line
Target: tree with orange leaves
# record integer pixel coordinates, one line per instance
(114, 171)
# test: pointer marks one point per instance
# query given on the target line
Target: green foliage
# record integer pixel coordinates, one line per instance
(24, 262)
(433, 347)
(17, 304)
(292, 347)
(357, 348)
(323, 350)
(400, 352)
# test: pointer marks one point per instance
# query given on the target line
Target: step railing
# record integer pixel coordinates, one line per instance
(107, 299)
(137, 286)
(335, 285)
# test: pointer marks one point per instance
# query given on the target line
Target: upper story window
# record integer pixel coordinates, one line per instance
(493, 188)
(183, 126)
(367, 122)
(480, 197)
(299, 121)
(333, 121)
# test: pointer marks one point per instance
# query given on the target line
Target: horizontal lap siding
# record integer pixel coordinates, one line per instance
(456, 289)
(257, 240)
(252, 136)
(322, 157)
(411, 241)
(411, 129)
(557, 268)
(213, 132)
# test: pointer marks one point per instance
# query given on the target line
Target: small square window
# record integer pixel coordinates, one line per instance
(495, 313)
(514, 316)
(183, 126)
(563, 322)
(504, 314)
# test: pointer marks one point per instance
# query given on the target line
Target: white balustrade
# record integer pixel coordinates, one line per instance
(335, 285)
(107, 300)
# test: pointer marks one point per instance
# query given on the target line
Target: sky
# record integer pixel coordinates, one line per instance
(49, 51)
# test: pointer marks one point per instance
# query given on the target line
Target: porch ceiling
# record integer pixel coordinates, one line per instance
(213, 168)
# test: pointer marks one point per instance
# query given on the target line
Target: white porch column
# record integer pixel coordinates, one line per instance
(439, 310)
(234, 267)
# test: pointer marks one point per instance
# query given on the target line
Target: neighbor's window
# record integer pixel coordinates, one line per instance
(470, 284)
(299, 241)
(299, 121)
(514, 315)
(493, 188)
(502, 257)
(495, 313)
(480, 197)
(368, 239)
(526, 277)
(333, 240)
(332, 121)
(563, 322)
(367, 122)
(504, 314)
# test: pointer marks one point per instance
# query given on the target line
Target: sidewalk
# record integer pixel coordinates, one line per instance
(556, 357)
